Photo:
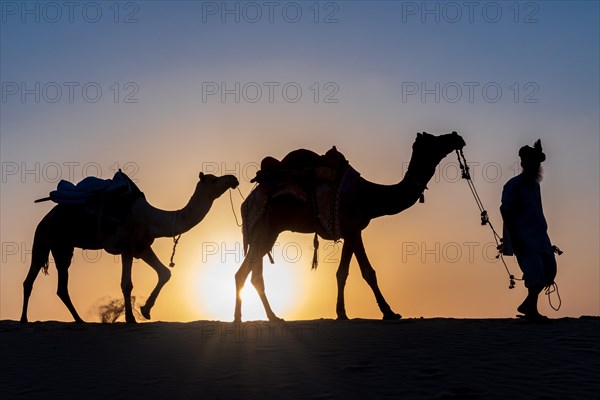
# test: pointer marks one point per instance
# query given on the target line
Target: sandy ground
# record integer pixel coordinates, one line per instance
(409, 359)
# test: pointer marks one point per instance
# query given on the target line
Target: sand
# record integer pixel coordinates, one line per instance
(408, 359)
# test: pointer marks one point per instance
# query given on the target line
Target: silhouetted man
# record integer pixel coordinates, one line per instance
(525, 229)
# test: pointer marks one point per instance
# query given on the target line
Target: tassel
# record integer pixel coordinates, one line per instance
(315, 261)
(175, 241)
(271, 258)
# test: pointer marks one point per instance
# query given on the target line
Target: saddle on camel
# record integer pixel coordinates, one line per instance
(313, 179)
(103, 202)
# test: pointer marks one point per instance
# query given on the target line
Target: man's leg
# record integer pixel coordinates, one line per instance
(533, 272)
(529, 305)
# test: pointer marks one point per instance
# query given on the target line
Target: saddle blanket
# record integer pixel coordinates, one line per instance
(92, 188)
(319, 187)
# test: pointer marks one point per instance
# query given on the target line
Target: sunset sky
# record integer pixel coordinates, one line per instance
(165, 90)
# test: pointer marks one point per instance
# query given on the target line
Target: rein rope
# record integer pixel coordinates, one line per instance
(177, 237)
(175, 240)
(485, 220)
(233, 208)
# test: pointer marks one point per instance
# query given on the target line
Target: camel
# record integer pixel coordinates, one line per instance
(67, 226)
(359, 204)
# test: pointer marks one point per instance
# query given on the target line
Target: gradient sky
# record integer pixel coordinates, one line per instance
(372, 75)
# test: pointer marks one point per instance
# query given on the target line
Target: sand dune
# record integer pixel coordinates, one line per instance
(413, 359)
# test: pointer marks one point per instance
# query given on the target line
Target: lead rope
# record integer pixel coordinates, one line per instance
(233, 208)
(549, 290)
(175, 241)
(485, 220)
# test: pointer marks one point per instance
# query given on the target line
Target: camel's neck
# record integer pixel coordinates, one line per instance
(171, 223)
(393, 199)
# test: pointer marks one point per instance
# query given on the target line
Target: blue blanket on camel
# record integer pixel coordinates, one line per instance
(92, 189)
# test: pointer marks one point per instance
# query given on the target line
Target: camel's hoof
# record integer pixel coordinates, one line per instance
(79, 321)
(131, 320)
(145, 312)
(342, 317)
(23, 320)
(275, 318)
(392, 317)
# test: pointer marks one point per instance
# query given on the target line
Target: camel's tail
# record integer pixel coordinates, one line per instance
(39, 257)
(40, 252)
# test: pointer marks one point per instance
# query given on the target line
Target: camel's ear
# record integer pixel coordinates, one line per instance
(454, 133)
(201, 176)
(419, 134)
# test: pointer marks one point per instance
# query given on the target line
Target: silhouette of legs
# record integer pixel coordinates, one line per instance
(529, 305)
(240, 278)
(127, 286)
(369, 275)
(253, 263)
(62, 258)
(34, 269)
(39, 258)
(342, 275)
(164, 274)
(259, 284)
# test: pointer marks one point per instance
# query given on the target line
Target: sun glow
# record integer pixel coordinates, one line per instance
(214, 288)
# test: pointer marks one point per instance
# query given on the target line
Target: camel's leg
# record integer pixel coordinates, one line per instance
(369, 275)
(62, 258)
(163, 277)
(253, 263)
(240, 278)
(259, 284)
(342, 275)
(127, 286)
(34, 269)
(39, 258)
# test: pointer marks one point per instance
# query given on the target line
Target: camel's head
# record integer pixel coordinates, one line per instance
(432, 149)
(217, 185)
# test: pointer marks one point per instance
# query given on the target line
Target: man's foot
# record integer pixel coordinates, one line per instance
(535, 318)
(525, 309)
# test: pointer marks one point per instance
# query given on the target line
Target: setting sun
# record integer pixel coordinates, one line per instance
(214, 288)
